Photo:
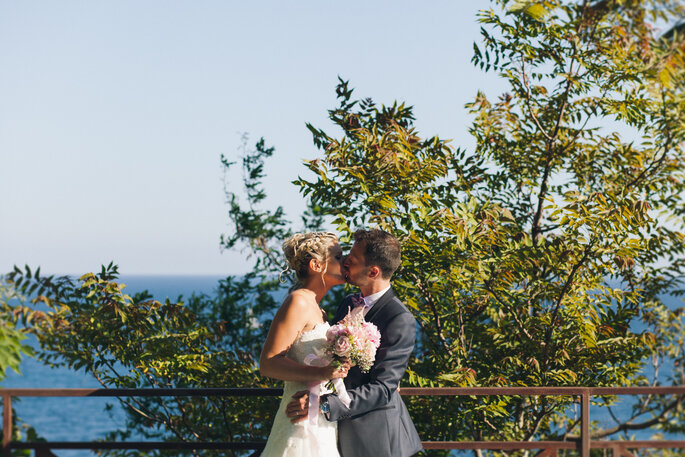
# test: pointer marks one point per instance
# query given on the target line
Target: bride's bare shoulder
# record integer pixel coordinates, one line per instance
(298, 300)
(301, 296)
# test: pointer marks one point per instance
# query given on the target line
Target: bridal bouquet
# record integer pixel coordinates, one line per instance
(353, 338)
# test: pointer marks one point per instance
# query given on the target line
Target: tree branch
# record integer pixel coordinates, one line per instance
(513, 313)
(662, 417)
(524, 78)
(153, 418)
(542, 194)
(168, 422)
(562, 294)
(655, 163)
(435, 344)
(436, 317)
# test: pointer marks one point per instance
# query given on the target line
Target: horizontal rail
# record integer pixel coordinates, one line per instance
(550, 447)
(533, 391)
(140, 445)
(513, 445)
(182, 392)
(258, 445)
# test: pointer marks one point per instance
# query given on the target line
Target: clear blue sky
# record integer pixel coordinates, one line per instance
(113, 114)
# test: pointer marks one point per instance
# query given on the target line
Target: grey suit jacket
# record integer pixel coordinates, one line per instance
(377, 423)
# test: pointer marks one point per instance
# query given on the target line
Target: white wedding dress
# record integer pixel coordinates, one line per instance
(303, 439)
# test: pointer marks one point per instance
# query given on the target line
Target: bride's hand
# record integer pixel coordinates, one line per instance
(339, 370)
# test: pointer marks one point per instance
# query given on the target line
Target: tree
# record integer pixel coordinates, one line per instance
(540, 259)
(544, 257)
(92, 325)
(12, 350)
(11, 347)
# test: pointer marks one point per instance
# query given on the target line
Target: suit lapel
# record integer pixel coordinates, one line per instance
(378, 306)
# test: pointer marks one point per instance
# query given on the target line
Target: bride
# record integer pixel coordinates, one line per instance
(299, 330)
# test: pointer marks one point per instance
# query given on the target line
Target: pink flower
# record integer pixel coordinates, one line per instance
(354, 338)
(357, 333)
(332, 333)
(342, 346)
(336, 331)
(371, 333)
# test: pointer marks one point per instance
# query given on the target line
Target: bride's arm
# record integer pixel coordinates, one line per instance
(289, 321)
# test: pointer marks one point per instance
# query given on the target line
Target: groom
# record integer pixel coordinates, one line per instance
(377, 423)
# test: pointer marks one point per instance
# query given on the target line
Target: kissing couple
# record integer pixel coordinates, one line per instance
(370, 419)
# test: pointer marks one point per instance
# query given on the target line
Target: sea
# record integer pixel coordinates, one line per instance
(89, 419)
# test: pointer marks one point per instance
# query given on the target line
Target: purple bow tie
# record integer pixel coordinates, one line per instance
(357, 300)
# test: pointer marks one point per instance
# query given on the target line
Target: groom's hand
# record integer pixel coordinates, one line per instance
(298, 408)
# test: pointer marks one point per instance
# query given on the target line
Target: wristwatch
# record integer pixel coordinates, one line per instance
(325, 407)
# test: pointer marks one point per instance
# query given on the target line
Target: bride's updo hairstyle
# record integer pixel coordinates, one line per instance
(300, 248)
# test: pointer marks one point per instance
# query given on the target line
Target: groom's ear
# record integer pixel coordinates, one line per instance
(374, 272)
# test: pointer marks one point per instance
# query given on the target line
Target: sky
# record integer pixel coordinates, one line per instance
(114, 114)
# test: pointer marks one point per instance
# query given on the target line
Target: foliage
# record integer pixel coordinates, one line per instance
(12, 349)
(542, 259)
(136, 342)
(11, 346)
(259, 232)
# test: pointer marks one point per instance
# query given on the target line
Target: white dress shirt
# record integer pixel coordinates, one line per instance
(372, 299)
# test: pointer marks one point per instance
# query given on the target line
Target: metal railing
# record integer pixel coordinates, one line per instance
(547, 448)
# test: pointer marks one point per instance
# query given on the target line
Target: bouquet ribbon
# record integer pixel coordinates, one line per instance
(315, 389)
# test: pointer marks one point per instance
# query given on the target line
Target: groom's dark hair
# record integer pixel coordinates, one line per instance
(381, 249)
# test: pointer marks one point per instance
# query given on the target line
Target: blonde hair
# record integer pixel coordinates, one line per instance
(300, 248)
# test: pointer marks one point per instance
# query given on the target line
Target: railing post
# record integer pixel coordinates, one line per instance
(6, 425)
(585, 423)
